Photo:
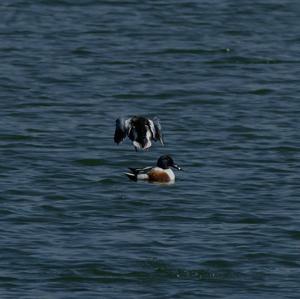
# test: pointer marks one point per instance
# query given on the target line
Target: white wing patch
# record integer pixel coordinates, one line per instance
(157, 130)
(122, 128)
(152, 129)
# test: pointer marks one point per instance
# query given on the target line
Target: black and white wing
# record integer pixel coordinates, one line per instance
(155, 128)
(137, 171)
(122, 128)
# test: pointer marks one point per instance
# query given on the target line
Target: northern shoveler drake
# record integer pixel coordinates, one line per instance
(140, 130)
(161, 173)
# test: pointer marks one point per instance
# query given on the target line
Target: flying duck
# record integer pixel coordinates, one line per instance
(140, 130)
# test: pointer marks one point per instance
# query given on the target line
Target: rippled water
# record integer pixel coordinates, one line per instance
(222, 76)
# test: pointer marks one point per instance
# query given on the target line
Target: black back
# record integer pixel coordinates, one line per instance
(139, 129)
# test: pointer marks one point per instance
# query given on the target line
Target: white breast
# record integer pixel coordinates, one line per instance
(170, 173)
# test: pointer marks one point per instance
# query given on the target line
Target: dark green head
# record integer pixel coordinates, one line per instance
(166, 162)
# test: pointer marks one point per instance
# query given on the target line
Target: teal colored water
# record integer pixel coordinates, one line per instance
(224, 79)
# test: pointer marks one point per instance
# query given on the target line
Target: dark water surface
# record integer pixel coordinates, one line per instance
(223, 77)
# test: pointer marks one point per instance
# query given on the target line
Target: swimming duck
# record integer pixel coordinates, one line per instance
(140, 130)
(161, 173)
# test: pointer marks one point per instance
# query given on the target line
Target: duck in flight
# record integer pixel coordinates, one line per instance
(161, 173)
(140, 130)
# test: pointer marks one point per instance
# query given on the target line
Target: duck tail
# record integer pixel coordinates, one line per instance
(134, 171)
(131, 176)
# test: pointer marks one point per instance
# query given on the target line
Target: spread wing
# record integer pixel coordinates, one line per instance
(155, 128)
(122, 128)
